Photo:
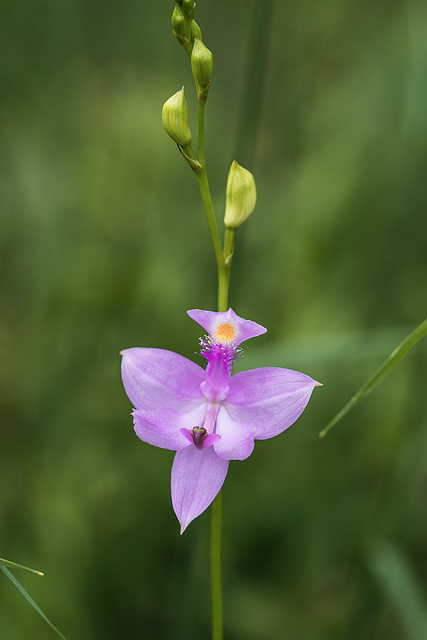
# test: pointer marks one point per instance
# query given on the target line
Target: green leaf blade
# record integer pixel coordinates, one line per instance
(29, 599)
(383, 371)
(15, 565)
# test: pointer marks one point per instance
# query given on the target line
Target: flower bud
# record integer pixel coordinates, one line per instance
(175, 118)
(180, 26)
(196, 32)
(201, 63)
(187, 7)
(240, 196)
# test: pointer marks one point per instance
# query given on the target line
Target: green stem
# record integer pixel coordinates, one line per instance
(201, 131)
(202, 178)
(223, 285)
(216, 577)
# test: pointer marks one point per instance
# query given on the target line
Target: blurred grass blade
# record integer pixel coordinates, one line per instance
(384, 370)
(14, 565)
(400, 584)
(29, 599)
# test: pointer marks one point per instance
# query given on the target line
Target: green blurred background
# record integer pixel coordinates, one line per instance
(104, 246)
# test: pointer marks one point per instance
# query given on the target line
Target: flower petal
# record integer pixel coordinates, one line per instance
(226, 326)
(237, 438)
(161, 427)
(157, 377)
(197, 477)
(272, 398)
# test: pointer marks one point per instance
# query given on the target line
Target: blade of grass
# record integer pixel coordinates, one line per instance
(384, 370)
(29, 599)
(15, 565)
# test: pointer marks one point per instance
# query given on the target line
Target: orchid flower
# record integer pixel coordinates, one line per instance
(209, 416)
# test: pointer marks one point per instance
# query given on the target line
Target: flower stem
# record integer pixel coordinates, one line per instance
(216, 572)
(224, 274)
(202, 178)
(223, 266)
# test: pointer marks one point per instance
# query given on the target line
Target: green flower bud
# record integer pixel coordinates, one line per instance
(196, 31)
(240, 196)
(201, 63)
(181, 27)
(175, 118)
(187, 7)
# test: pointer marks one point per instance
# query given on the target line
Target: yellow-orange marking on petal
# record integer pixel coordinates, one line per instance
(225, 332)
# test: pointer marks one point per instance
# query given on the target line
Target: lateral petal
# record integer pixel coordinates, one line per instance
(237, 438)
(161, 427)
(271, 397)
(197, 477)
(157, 377)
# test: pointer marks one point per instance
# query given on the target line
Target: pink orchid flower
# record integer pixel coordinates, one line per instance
(209, 416)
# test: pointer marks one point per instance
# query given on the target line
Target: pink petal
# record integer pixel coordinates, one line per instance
(161, 427)
(237, 438)
(211, 320)
(197, 477)
(272, 398)
(157, 377)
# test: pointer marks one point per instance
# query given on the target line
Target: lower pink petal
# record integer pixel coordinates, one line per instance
(197, 477)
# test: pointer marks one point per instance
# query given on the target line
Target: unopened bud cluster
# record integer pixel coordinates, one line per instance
(189, 35)
(241, 190)
(175, 110)
(184, 27)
